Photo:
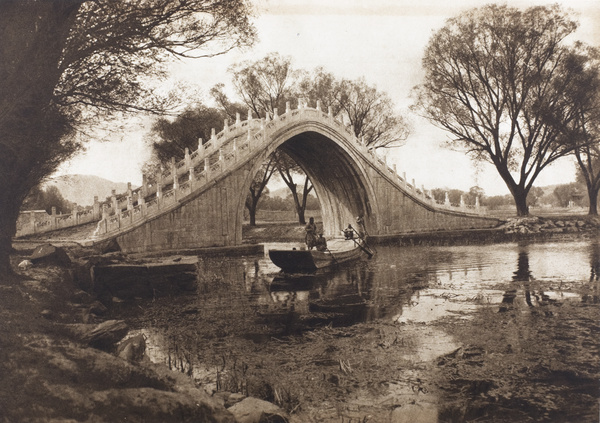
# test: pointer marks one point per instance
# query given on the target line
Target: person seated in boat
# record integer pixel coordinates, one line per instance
(321, 243)
(311, 233)
(349, 232)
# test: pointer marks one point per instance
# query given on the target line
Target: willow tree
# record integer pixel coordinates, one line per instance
(585, 127)
(494, 79)
(69, 62)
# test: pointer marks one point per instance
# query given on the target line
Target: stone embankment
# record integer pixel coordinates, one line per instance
(545, 225)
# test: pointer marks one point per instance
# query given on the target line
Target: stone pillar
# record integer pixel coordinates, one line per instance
(200, 146)
(188, 160)
(287, 107)
(213, 136)
(237, 118)
(207, 167)
(129, 202)
(129, 190)
(319, 105)
(462, 201)
(249, 115)
(329, 111)
(192, 177)
(275, 113)
(104, 211)
(174, 173)
(144, 190)
(113, 200)
(226, 125)
(96, 208)
(446, 199)
(477, 202)
(159, 183)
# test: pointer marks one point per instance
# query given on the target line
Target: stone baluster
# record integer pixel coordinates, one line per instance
(237, 118)
(287, 107)
(159, 183)
(226, 125)
(395, 169)
(129, 202)
(462, 201)
(249, 116)
(477, 202)
(96, 208)
(414, 185)
(275, 113)
(319, 105)
(113, 200)
(144, 190)
(187, 159)
(213, 136)
(329, 111)
(192, 176)
(404, 178)
(129, 190)
(104, 211)
(174, 173)
(200, 146)
(446, 199)
(207, 167)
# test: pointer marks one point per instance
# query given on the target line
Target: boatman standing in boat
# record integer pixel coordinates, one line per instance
(361, 227)
(311, 233)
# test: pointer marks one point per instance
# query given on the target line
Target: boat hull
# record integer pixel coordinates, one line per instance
(307, 261)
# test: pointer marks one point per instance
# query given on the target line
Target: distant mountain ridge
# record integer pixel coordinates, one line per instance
(81, 189)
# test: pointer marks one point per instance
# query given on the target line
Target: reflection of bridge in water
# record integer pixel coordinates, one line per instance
(199, 201)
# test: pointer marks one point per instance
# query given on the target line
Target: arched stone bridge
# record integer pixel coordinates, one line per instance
(199, 201)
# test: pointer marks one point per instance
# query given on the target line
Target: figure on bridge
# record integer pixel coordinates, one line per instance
(311, 233)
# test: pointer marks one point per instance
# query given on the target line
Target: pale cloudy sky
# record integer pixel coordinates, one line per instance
(382, 40)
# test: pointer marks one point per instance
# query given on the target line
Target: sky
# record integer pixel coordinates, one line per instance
(380, 40)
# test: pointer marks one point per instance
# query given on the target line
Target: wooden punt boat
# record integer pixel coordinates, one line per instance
(308, 261)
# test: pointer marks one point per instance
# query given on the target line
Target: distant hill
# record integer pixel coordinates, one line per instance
(81, 189)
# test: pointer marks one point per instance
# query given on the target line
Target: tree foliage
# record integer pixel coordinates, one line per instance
(494, 79)
(585, 127)
(266, 84)
(172, 137)
(45, 198)
(65, 62)
(369, 111)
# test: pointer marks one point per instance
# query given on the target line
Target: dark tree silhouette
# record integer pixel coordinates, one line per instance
(257, 188)
(495, 79)
(68, 62)
(585, 127)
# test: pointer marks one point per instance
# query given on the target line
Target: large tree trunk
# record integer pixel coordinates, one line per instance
(9, 212)
(251, 205)
(520, 198)
(32, 128)
(593, 196)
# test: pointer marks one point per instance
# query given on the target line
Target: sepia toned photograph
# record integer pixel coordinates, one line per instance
(299, 211)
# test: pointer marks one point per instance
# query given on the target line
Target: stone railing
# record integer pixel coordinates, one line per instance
(235, 144)
(38, 221)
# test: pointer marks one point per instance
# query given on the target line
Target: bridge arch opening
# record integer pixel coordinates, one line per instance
(339, 182)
